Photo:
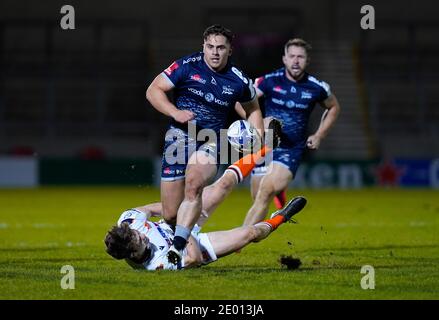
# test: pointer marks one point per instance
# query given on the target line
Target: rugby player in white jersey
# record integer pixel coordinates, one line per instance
(144, 244)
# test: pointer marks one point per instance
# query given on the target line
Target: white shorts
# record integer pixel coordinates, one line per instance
(206, 248)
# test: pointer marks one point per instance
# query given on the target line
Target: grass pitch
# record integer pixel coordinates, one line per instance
(395, 231)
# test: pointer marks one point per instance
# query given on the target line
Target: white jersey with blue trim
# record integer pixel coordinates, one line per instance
(160, 236)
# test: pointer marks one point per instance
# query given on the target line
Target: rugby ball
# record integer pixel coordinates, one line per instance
(243, 136)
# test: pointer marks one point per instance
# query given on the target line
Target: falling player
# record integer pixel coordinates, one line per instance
(144, 244)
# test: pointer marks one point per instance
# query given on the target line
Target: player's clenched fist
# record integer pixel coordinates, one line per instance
(313, 142)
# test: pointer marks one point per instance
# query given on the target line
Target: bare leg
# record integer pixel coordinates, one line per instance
(215, 193)
(172, 194)
(227, 242)
(254, 185)
(276, 179)
(200, 170)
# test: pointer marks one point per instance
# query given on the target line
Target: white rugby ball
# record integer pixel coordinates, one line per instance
(243, 136)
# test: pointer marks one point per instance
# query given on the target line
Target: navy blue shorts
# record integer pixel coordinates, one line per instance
(177, 151)
(287, 157)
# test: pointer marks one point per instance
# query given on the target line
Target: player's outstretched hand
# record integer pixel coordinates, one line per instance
(313, 142)
(183, 116)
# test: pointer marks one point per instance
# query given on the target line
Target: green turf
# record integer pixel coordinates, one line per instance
(395, 231)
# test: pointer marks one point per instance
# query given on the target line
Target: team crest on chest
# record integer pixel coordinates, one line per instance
(306, 95)
(227, 90)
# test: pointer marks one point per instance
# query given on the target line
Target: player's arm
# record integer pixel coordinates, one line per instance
(240, 109)
(254, 115)
(328, 119)
(156, 95)
(151, 210)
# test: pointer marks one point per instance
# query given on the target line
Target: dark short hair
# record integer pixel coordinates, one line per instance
(218, 29)
(298, 43)
(120, 241)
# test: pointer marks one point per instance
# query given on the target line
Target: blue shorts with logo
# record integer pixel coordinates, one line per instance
(287, 157)
(177, 151)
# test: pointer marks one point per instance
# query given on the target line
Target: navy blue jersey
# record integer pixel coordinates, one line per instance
(209, 95)
(291, 102)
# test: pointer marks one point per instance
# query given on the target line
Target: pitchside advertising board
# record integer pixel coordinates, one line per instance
(31, 172)
(18, 172)
(359, 174)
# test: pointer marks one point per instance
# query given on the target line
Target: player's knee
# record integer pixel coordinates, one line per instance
(279, 188)
(169, 215)
(193, 189)
(252, 233)
(266, 191)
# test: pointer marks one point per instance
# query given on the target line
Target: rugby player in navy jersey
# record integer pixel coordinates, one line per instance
(206, 87)
(290, 96)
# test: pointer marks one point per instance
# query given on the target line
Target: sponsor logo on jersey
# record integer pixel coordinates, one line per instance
(221, 102)
(197, 77)
(278, 101)
(293, 90)
(193, 59)
(290, 104)
(252, 90)
(240, 75)
(171, 68)
(301, 106)
(209, 97)
(213, 81)
(167, 170)
(197, 92)
(306, 95)
(322, 84)
(279, 89)
(227, 90)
